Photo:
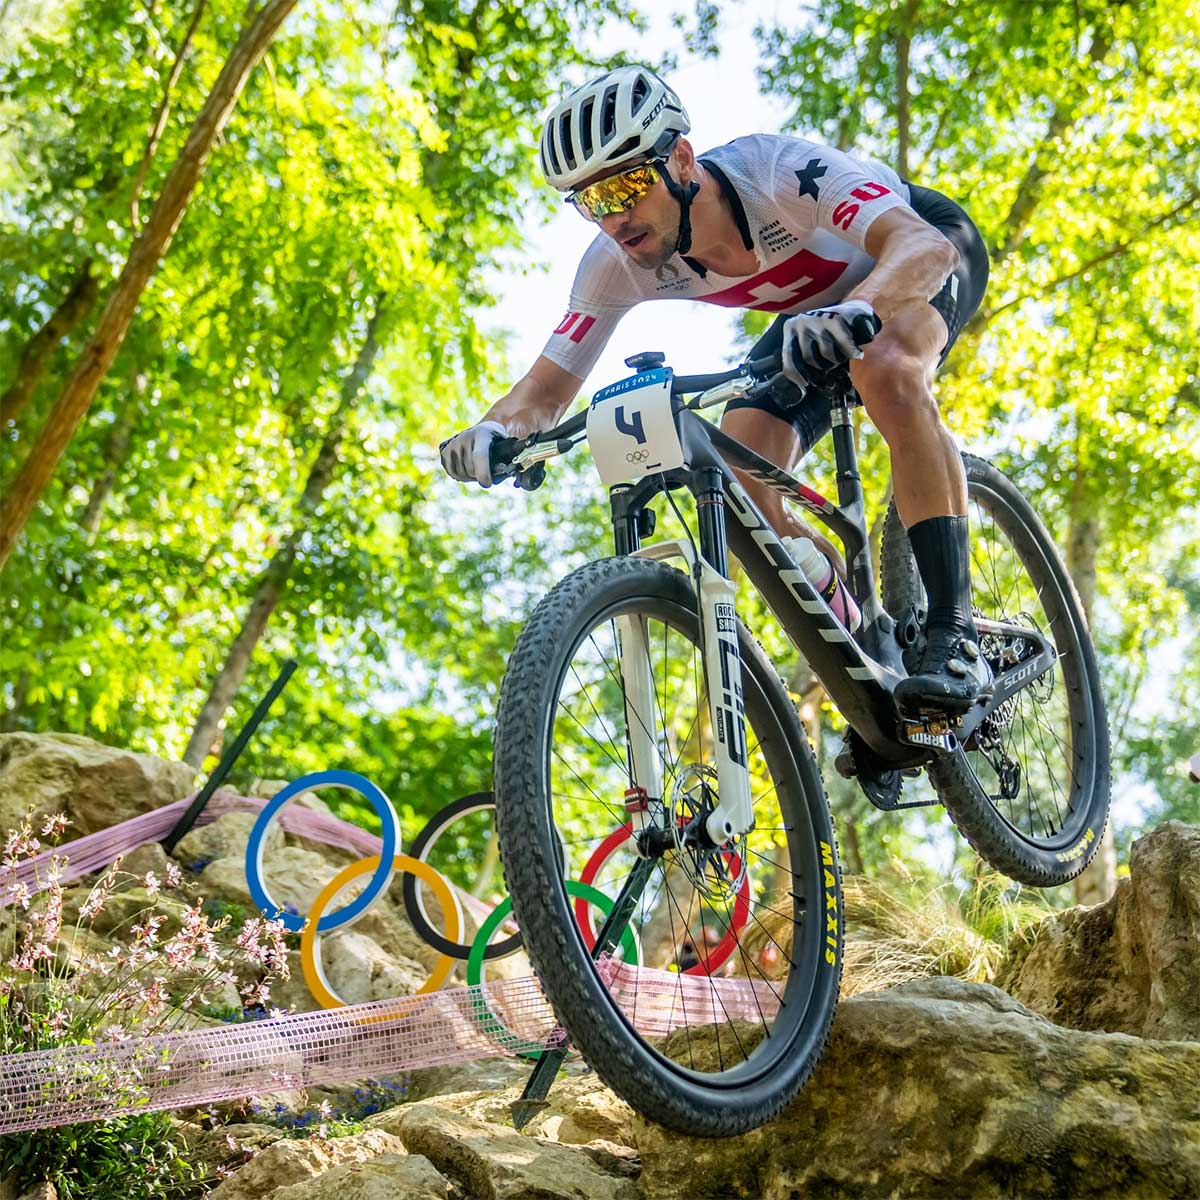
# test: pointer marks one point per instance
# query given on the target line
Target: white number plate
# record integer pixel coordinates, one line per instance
(631, 429)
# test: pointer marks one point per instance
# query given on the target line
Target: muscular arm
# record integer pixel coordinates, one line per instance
(537, 401)
(912, 261)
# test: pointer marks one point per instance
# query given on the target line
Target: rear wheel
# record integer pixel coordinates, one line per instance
(1030, 789)
(739, 947)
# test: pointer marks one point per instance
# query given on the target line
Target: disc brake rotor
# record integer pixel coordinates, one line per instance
(716, 872)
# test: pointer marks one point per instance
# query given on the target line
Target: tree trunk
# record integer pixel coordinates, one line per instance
(160, 117)
(8, 723)
(114, 455)
(273, 582)
(148, 248)
(1099, 879)
(76, 305)
(903, 115)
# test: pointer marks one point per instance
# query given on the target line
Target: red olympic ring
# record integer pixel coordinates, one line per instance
(711, 960)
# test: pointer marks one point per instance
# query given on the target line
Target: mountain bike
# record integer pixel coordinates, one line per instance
(645, 745)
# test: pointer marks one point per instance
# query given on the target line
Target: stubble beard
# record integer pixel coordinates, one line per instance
(656, 249)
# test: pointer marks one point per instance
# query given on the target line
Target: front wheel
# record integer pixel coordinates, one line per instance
(1030, 789)
(738, 948)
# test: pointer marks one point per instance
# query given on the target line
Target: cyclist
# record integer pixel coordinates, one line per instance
(863, 267)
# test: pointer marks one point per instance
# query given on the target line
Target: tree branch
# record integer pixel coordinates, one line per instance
(35, 356)
(1118, 248)
(903, 51)
(164, 109)
(149, 245)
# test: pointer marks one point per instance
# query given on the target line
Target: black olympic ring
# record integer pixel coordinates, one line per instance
(637, 456)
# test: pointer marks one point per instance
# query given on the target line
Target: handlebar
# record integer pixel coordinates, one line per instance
(761, 375)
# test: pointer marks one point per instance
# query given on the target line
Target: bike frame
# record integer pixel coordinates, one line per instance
(860, 673)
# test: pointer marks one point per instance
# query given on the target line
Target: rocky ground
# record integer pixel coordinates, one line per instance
(1081, 1078)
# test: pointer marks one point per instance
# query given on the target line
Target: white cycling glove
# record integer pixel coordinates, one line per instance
(465, 456)
(827, 337)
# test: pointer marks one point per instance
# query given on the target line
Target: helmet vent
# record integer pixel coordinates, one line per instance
(608, 114)
(564, 139)
(626, 147)
(585, 126)
(641, 92)
(548, 151)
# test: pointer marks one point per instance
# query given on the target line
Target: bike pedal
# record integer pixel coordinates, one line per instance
(933, 733)
(843, 763)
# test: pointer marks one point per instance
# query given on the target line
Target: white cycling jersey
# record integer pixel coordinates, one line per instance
(802, 207)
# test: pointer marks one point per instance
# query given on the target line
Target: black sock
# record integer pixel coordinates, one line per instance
(943, 553)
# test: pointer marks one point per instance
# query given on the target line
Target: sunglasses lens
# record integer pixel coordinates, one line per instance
(616, 194)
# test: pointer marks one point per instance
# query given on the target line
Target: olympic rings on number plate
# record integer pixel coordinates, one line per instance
(310, 939)
(293, 922)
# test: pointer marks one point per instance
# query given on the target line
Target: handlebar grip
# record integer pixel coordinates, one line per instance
(769, 364)
(500, 455)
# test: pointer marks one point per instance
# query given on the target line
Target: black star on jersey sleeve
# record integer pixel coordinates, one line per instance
(826, 189)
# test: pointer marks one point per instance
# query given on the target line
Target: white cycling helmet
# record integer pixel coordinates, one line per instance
(614, 119)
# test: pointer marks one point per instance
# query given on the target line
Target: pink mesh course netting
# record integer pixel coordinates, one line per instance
(366, 1041)
(98, 850)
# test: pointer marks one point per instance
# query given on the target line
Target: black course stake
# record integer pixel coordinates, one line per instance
(228, 758)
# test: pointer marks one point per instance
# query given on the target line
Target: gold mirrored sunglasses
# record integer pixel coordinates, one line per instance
(615, 193)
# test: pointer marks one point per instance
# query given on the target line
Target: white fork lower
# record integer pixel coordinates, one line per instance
(734, 813)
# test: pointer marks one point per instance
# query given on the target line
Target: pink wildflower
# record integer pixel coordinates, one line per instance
(18, 893)
(262, 943)
(154, 997)
(55, 825)
(18, 844)
(173, 875)
(147, 931)
(255, 994)
(151, 884)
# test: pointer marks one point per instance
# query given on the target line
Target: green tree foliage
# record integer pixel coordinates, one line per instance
(379, 159)
(1071, 132)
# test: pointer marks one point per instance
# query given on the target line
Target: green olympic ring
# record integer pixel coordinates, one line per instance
(480, 1009)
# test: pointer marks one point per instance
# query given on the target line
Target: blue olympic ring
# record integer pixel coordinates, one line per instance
(294, 922)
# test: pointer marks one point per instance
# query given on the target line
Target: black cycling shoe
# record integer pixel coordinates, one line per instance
(951, 676)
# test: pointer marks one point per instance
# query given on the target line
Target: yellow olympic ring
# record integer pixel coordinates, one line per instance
(310, 938)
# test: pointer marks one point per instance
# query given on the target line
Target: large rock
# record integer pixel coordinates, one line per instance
(580, 1110)
(294, 876)
(226, 837)
(490, 1162)
(95, 785)
(388, 1177)
(941, 1088)
(301, 1160)
(1130, 965)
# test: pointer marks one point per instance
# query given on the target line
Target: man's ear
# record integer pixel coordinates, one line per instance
(683, 160)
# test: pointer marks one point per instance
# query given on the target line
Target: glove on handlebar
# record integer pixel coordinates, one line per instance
(827, 337)
(465, 456)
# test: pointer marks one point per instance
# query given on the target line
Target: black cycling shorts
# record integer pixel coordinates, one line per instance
(960, 296)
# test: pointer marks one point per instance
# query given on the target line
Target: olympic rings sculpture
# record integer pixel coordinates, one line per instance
(414, 867)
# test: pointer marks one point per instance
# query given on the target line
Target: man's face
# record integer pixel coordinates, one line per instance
(649, 232)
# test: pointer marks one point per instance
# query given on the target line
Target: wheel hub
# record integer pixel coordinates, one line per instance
(716, 872)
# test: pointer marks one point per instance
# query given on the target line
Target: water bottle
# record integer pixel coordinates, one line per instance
(825, 579)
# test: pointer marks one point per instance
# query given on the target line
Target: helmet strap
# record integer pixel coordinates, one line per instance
(685, 196)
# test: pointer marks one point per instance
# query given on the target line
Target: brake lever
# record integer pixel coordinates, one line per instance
(532, 479)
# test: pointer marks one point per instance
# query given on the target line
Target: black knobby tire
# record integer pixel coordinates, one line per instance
(1059, 717)
(711, 1103)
